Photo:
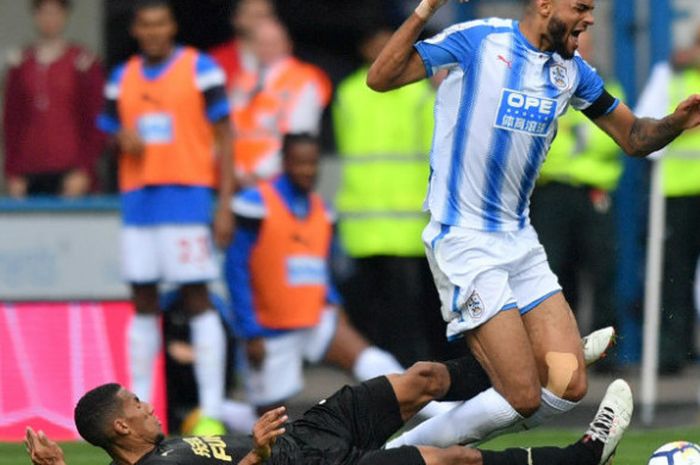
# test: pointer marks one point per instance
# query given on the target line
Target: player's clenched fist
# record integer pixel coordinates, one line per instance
(427, 8)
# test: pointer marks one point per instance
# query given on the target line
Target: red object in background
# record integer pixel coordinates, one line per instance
(228, 57)
(52, 353)
(50, 113)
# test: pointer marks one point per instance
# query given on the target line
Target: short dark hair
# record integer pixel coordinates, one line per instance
(298, 138)
(94, 413)
(65, 4)
(140, 5)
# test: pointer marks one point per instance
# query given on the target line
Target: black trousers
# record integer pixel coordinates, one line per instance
(682, 249)
(576, 226)
(394, 303)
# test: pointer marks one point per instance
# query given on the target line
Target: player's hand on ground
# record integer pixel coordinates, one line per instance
(255, 350)
(688, 112)
(224, 224)
(42, 450)
(130, 142)
(266, 431)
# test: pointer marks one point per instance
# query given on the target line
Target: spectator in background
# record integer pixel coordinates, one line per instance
(572, 208)
(680, 166)
(237, 55)
(168, 112)
(286, 307)
(282, 95)
(53, 94)
(383, 141)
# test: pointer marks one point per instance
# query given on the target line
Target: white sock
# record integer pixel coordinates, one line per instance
(144, 340)
(550, 407)
(468, 422)
(434, 409)
(238, 416)
(209, 342)
(373, 362)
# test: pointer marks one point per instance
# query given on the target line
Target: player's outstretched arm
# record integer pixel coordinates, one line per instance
(399, 64)
(42, 450)
(265, 432)
(639, 137)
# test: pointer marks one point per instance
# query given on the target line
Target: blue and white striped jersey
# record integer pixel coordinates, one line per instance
(495, 118)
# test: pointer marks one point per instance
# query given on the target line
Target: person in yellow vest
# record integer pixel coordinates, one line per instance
(680, 166)
(383, 141)
(168, 113)
(280, 95)
(572, 208)
(286, 308)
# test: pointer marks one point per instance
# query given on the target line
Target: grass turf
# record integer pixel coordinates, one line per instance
(635, 449)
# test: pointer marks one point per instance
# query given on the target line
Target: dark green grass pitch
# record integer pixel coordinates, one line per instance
(635, 449)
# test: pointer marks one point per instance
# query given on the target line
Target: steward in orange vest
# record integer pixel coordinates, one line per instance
(282, 95)
(285, 308)
(277, 267)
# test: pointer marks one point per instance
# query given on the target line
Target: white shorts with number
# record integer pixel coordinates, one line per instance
(281, 374)
(479, 273)
(178, 254)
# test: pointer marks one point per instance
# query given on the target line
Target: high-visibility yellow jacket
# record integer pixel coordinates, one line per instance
(384, 141)
(680, 164)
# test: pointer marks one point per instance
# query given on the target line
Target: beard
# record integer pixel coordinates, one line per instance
(557, 33)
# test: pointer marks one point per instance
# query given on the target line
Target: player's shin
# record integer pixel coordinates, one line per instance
(239, 417)
(209, 342)
(469, 422)
(550, 407)
(467, 379)
(144, 340)
(373, 362)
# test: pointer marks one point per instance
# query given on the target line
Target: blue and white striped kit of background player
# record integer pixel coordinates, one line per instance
(495, 120)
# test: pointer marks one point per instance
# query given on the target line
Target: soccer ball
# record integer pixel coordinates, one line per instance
(676, 453)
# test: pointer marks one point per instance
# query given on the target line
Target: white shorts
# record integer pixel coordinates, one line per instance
(281, 375)
(177, 254)
(479, 273)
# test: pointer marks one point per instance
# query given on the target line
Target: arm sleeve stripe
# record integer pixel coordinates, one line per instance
(603, 105)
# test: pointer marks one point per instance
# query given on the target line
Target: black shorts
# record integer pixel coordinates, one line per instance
(46, 183)
(350, 426)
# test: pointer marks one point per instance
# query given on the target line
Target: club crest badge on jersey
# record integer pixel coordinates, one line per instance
(474, 306)
(521, 112)
(559, 76)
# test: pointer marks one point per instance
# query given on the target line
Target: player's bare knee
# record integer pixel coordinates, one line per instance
(196, 298)
(145, 299)
(438, 379)
(566, 377)
(432, 379)
(578, 388)
(525, 400)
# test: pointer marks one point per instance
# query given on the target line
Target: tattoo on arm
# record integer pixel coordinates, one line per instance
(649, 135)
